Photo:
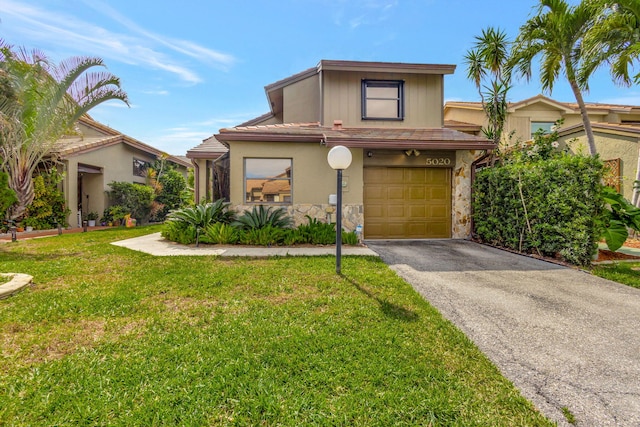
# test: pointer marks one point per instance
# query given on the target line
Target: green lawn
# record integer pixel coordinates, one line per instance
(624, 272)
(108, 336)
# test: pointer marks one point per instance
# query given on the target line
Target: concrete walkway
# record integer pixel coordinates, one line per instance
(565, 338)
(155, 244)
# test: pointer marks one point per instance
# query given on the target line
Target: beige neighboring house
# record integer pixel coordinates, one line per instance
(96, 156)
(616, 130)
(410, 175)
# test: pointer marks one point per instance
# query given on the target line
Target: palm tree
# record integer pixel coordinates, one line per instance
(39, 103)
(614, 40)
(556, 34)
(487, 68)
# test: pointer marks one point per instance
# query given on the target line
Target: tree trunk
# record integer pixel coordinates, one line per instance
(585, 117)
(22, 184)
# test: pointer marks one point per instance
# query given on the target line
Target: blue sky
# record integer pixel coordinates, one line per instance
(192, 69)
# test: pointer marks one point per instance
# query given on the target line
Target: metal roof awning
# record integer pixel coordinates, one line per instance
(89, 169)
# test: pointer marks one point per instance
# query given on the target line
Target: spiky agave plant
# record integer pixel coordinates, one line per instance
(262, 216)
(203, 215)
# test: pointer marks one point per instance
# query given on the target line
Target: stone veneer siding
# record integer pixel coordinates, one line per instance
(352, 215)
(461, 209)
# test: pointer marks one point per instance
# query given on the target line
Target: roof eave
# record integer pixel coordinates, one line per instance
(267, 137)
(406, 144)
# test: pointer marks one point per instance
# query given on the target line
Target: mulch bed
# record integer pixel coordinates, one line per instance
(605, 255)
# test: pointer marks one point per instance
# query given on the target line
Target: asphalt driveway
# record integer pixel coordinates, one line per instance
(565, 338)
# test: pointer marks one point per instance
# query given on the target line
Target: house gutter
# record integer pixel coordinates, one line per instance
(196, 182)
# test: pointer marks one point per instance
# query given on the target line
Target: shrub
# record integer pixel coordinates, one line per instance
(204, 214)
(220, 233)
(180, 232)
(114, 214)
(262, 216)
(618, 216)
(47, 208)
(7, 195)
(136, 199)
(548, 206)
(317, 232)
(293, 236)
(173, 193)
(350, 238)
(265, 236)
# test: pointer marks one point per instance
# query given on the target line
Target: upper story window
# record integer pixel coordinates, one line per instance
(267, 180)
(545, 127)
(382, 100)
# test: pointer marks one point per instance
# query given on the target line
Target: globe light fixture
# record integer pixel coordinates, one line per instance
(339, 158)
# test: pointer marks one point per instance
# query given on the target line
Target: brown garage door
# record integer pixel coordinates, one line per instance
(407, 203)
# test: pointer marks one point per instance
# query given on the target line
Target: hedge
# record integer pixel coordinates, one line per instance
(550, 207)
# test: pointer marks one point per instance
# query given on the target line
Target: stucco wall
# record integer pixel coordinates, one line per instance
(116, 162)
(312, 178)
(609, 147)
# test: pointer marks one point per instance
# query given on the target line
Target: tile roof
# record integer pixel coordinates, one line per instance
(400, 138)
(77, 144)
(208, 149)
(533, 99)
(629, 128)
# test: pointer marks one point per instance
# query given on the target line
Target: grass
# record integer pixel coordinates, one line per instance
(571, 419)
(109, 336)
(624, 272)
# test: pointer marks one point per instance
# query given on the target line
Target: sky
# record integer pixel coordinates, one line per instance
(193, 67)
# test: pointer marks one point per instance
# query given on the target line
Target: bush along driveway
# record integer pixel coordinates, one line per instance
(568, 340)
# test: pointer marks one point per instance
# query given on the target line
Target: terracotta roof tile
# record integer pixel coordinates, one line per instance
(210, 148)
(424, 138)
(75, 144)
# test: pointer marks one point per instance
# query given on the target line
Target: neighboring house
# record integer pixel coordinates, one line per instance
(616, 130)
(211, 170)
(96, 156)
(410, 175)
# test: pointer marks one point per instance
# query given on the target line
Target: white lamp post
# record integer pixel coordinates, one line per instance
(339, 158)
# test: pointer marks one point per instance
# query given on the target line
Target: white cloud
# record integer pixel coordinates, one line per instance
(369, 12)
(142, 48)
(155, 92)
(185, 47)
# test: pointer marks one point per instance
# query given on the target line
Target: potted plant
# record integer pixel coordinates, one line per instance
(29, 223)
(91, 218)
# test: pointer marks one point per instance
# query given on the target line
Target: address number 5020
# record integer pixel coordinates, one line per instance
(438, 161)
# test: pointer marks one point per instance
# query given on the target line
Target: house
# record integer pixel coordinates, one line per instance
(411, 172)
(96, 156)
(616, 130)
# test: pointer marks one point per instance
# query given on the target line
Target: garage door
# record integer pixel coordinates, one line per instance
(407, 203)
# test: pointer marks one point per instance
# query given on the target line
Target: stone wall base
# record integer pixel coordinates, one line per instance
(352, 215)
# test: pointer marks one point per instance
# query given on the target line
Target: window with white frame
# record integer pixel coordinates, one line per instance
(267, 180)
(382, 100)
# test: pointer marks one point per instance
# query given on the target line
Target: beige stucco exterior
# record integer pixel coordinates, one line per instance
(95, 157)
(312, 177)
(116, 164)
(609, 147)
(327, 100)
